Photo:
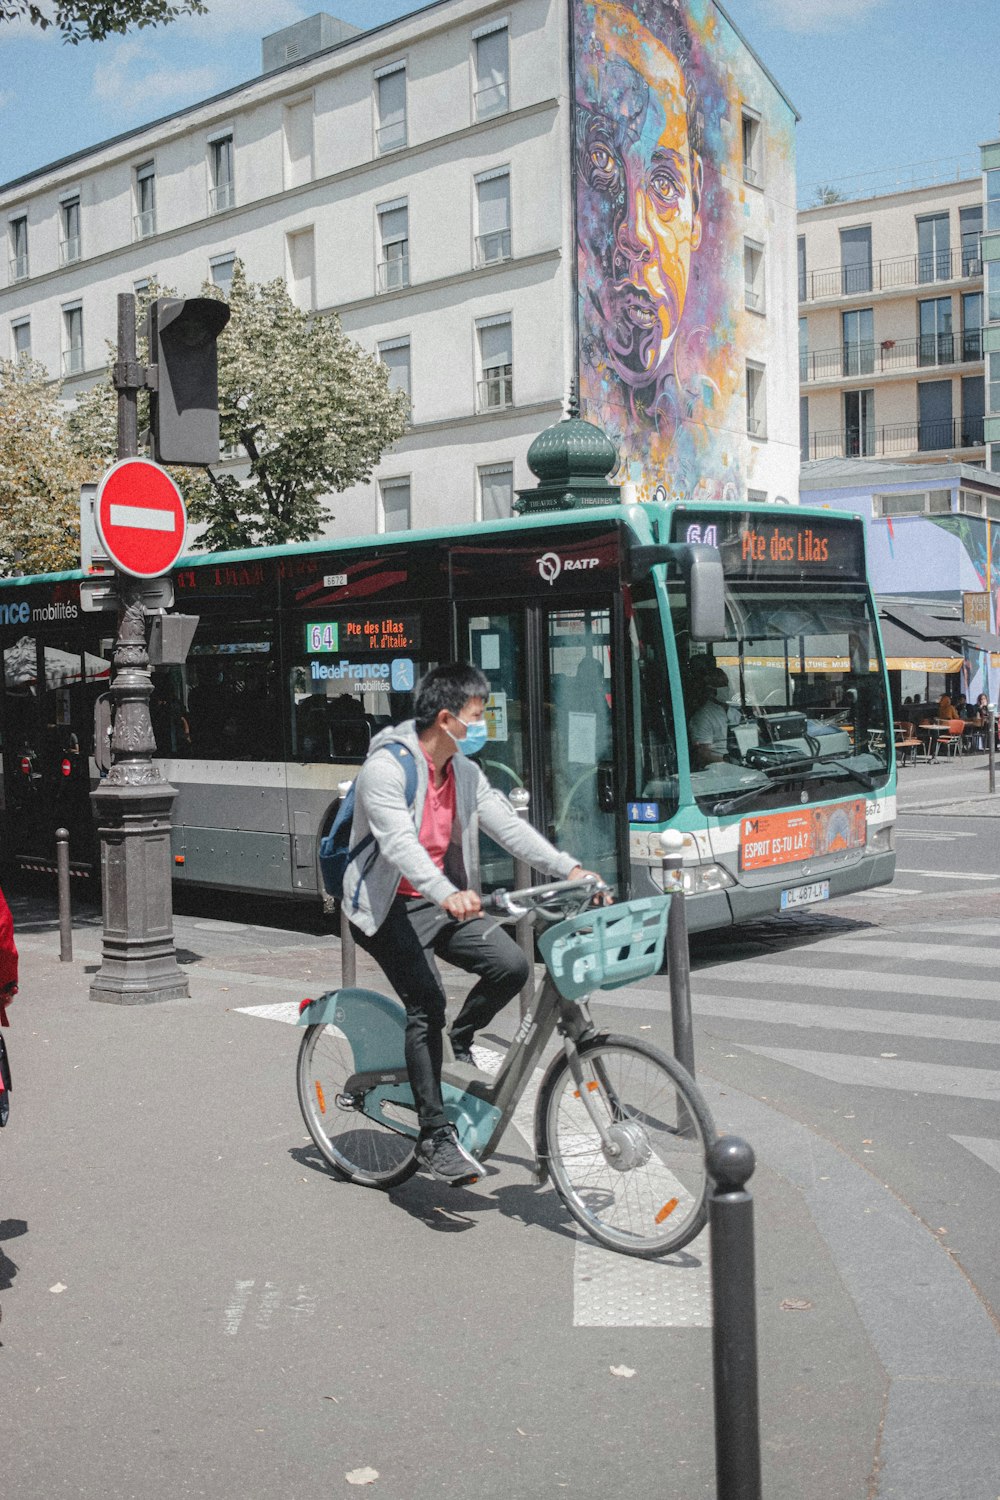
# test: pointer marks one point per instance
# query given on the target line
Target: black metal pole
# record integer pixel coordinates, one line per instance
(678, 950)
(991, 748)
(65, 918)
(734, 1321)
(348, 947)
(524, 934)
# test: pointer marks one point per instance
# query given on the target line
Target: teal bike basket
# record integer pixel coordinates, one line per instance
(607, 946)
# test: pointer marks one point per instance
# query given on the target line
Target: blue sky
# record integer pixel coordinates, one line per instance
(899, 89)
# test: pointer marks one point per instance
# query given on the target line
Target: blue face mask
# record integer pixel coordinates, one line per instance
(476, 735)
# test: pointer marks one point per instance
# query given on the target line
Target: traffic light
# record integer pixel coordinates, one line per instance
(184, 402)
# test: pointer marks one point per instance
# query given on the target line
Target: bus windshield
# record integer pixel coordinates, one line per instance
(791, 706)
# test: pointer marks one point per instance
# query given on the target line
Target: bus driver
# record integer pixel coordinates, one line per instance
(417, 900)
(710, 695)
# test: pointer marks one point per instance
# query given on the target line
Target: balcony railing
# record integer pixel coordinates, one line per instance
(872, 441)
(221, 197)
(889, 275)
(72, 361)
(492, 100)
(753, 299)
(493, 248)
(69, 250)
(144, 224)
(852, 361)
(496, 389)
(18, 267)
(394, 273)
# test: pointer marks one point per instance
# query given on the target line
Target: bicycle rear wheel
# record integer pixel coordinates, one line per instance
(357, 1147)
(647, 1196)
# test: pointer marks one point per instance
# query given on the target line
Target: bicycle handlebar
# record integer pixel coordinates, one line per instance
(538, 898)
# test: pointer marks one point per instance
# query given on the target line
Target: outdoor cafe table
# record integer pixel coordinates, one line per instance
(933, 734)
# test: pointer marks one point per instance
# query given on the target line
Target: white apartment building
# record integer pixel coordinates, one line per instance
(890, 326)
(418, 179)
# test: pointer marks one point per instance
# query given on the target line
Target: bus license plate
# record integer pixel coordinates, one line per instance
(805, 895)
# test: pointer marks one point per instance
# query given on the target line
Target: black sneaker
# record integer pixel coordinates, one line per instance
(463, 1054)
(441, 1152)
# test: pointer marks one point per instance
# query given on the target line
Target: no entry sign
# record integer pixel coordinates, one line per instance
(140, 517)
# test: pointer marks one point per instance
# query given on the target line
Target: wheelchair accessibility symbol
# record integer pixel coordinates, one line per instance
(402, 675)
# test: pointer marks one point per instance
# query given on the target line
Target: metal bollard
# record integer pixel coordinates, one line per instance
(991, 746)
(520, 800)
(348, 947)
(65, 917)
(734, 1321)
(678, 950)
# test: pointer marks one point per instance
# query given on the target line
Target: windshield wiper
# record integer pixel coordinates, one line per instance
(791, 771)
(862, 776)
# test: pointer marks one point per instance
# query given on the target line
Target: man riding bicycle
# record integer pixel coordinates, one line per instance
(412, 898)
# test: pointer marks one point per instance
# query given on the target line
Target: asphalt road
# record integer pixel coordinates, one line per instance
(193, 1306)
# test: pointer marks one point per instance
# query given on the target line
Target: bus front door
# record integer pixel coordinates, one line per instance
(552, 725)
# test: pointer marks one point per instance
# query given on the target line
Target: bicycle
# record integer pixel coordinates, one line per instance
(620, 1126)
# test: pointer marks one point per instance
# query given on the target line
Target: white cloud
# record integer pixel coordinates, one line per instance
(130, 80)
(816, 15)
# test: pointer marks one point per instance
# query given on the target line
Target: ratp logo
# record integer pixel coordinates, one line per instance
(549, 566)
(402, 675)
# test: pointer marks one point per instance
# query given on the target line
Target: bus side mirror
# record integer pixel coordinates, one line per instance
(701, 569)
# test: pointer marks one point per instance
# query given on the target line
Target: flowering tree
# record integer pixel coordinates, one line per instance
(303, 409)
(40, 474)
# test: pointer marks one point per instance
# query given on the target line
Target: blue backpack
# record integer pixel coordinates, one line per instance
(335, 850)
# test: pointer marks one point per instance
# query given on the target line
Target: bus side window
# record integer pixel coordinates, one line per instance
(228, 706)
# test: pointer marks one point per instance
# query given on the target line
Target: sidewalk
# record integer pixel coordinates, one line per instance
(167, 1221)
(952, 786)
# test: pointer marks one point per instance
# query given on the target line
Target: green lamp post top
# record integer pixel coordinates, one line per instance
(571, 461)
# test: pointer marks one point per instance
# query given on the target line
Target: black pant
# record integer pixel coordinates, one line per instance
(414, 933)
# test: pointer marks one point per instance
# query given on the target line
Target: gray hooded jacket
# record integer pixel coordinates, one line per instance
(371, 880)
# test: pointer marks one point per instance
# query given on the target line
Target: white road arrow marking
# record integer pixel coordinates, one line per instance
(981, 1146)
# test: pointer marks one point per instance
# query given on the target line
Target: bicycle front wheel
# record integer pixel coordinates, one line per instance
(358, 1147)
(643, 1191)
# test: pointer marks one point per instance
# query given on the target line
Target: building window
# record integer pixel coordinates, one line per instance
(395, 355)
(801, 250)
(390, 108)
(492, 217)
(804, 428)
(993, 201)
(858, 338)
(69, 230)
(141, 287)
(222, 194)
(19, 248)
(757, 497)
(752, 168)
(993, 371)
(298, 134)
(496, 363)
(934, 412)
(21, 338)
(301, 269)
(859, 424)
(492, 91)
(496, 492)
(753, 276)
(973, 410)
(970, 224)
(936, 503)
(936, 344)
(934, 248)
(394, 245)
(72, 350)
(221, 268)
(394, 496)
(972, 325)
(145, 201)
(756, 401)
(856, 260)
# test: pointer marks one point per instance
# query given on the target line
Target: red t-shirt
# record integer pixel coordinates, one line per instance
(437, 822)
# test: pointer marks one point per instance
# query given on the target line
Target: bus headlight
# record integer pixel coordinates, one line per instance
(696, 880)
(880, 840)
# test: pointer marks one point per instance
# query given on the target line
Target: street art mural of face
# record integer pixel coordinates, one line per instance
(657, 144)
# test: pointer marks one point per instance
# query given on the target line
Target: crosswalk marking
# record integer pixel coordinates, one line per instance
(878, 946)
(950, 874)
(901, 1023)
(982, 1146)
(944, 1079)
(754, 972)
(284, 1010)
